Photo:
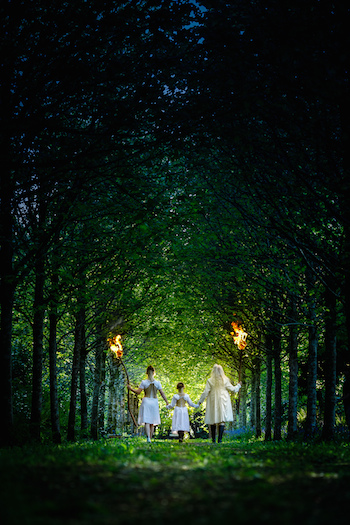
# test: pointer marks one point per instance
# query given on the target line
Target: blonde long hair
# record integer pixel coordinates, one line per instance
(218, 376)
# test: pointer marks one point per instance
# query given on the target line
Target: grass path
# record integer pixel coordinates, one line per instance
(125, 481)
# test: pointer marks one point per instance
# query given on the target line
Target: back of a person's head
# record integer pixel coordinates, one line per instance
(150, 372)
(217, 375)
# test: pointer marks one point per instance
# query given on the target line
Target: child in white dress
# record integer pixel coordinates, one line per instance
(181, 421)
(149, 409)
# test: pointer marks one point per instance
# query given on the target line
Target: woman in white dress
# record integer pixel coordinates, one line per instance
(181, 421)
(149, 409)
(219, 407)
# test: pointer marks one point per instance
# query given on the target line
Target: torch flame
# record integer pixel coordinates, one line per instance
(116, 346)
(239, 336)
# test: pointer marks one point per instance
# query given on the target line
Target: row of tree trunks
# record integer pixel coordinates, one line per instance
(273, 348)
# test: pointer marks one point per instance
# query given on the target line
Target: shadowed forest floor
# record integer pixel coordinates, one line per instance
(127, 481)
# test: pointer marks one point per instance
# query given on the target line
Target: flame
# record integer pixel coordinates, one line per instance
(239, 336)
(116, 346)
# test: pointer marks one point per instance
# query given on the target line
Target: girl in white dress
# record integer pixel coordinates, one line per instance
(181, 421)
(219, 407)
(149, 409)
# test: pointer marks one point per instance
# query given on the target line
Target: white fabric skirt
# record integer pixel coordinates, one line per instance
(149, 411)
(180, 420)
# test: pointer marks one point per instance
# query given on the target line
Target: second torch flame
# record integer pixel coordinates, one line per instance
(239, 336)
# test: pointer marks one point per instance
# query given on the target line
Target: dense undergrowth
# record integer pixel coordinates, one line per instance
(121, 481)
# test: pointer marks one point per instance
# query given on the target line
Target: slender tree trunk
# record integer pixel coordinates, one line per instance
(100, 347)
(82, 378)
(277, 349)
(253, 401)
(121, 400)
(311, 407)
(243, 402)
(293, 374)
(257, 368)
(102, 401)
(54, 406)
(38, 335)
(268, 423)
(112, 395)
(79, 323)
(330, 364)
(7, 288)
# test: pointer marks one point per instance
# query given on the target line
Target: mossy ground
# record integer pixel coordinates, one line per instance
(124, 481)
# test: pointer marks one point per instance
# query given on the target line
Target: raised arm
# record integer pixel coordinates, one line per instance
(233, 388)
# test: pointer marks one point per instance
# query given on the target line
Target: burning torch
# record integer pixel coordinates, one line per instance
(239, 339)
(117, 348)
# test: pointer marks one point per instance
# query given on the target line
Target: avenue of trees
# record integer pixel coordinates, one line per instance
(169, 168)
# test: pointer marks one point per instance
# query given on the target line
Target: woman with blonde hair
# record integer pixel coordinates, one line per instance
(218, 406)
(149, 409)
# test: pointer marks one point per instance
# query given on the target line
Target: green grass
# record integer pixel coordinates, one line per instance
(128, 481)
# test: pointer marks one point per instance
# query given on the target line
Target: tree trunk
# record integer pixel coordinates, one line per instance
(82, 378)
(330, 364)
(7, 288)
(38, 335)
(277, 430)
(253, 401)
(243, 402)
(312, 356)
(112, 395)
(257, 373)
(268, 423)
(97, 383)
(55, 419)
(293, 374)
(79, 323)
(311, 405)
(102, 400)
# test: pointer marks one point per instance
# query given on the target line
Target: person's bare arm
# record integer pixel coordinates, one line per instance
(136, 391)
(163, 396)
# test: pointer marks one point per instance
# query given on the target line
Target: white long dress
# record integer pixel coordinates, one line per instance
(219, 407)
(181, 420)
(149, 408)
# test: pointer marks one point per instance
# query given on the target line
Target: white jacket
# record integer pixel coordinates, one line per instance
(219, 407)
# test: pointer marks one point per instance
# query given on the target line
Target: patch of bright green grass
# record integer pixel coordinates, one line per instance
(121, 481)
